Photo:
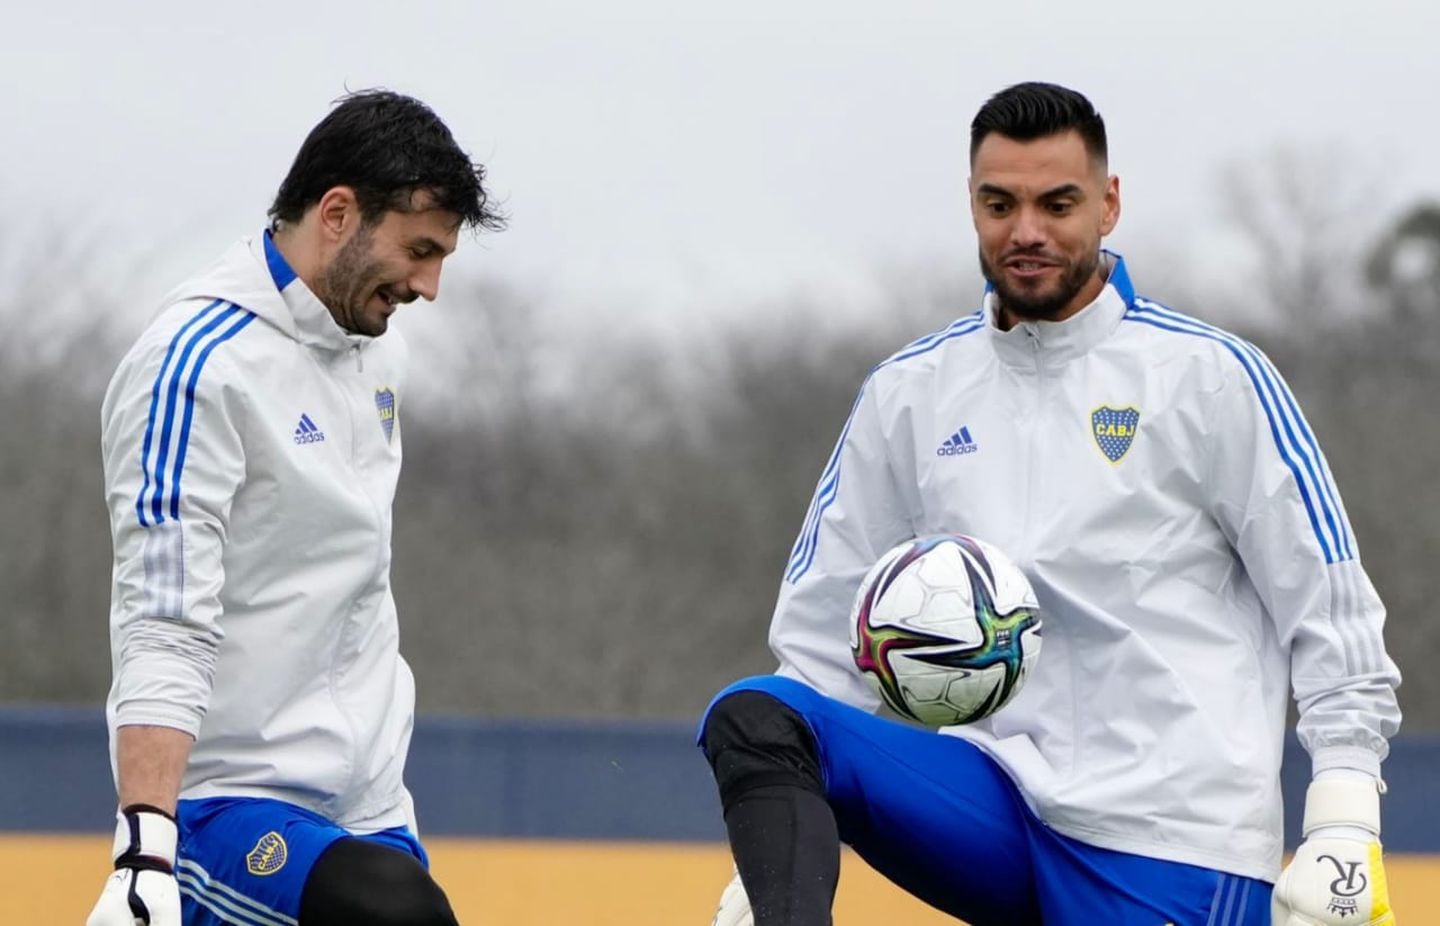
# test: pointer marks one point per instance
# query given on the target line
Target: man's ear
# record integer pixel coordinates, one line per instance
(338, 213)
(1111, 216)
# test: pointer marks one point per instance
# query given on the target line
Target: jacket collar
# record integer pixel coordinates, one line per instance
(1029, 344)
(254, 275)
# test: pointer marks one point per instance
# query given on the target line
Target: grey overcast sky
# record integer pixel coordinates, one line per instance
(654, 154)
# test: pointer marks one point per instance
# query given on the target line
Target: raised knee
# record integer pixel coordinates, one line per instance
(754, 740)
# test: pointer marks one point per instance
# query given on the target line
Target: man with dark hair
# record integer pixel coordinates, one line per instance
(1189, 564)
(260, 712)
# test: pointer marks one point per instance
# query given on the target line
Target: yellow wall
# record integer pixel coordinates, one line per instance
(54, 879)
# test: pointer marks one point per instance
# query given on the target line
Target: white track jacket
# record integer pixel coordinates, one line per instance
(251, 449)
(1154, 478)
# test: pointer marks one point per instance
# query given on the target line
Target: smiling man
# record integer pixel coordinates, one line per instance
(1041, 207)
(260, 712)
(1156, 481)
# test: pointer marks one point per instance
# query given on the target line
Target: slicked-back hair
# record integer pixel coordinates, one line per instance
(1034, 110)
(386, 147)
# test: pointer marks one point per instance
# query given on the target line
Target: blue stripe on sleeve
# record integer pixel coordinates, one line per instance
(171, 393)
(803, 554)
(155, 406)
(1291, 419)
(826, 482)
(190, 409)
(1319, 471)
(152, 498)
(825, 493)
(1315, 491)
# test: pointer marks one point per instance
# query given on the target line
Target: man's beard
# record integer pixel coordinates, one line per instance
(1042, 306)
(347, 283)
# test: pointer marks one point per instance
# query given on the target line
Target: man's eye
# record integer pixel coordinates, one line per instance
(997, 208)
(1061, 208)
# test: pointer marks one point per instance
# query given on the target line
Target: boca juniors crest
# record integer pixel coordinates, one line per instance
(385, 406)
(268, 856)
(1114, 430)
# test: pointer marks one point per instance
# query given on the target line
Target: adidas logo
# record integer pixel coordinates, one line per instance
(307, 433)
(957, 444)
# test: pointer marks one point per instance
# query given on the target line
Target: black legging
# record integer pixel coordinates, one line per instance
(356, 882)
(782, 832)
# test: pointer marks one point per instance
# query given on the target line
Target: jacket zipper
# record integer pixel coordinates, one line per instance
(1033, 441)
(358, 768)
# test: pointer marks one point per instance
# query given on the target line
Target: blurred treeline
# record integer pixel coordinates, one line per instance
(595, 524)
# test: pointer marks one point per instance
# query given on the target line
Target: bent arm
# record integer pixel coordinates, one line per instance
(173, 462)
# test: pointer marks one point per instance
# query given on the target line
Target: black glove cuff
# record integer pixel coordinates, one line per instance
(147, 808)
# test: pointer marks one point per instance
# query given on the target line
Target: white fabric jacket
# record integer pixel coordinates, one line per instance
(251, 450)
(1155, 479)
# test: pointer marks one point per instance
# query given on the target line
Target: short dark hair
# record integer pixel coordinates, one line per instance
(385, 146)
(1034, 110)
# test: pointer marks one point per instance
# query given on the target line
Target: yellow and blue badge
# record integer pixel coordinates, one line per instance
(268, 856)
(1114, 430)
(385, 405)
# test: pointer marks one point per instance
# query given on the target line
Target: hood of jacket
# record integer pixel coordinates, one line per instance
(244, 276)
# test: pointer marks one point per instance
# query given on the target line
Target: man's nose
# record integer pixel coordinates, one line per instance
(425, 282)
(1028, 230)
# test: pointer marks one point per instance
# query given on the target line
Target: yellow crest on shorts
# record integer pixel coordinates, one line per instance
(268, 856)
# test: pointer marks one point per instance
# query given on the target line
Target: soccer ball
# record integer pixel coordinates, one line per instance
(945, 628)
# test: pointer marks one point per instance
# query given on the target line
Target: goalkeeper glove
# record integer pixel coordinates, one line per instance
(734, 907)
(143, 890)
(1337, 877)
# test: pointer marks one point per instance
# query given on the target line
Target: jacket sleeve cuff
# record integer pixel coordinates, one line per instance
(1357, 758)
(159, 714)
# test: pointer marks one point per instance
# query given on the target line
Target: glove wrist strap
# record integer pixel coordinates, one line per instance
(145, 839)
(1342, 802)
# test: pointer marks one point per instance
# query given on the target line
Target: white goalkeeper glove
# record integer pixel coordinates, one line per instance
(1337, 877)
(143, 890)
(734, 907)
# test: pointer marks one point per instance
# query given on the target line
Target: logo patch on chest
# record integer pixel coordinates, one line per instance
(957, 444)
(385, 406)
(1114, 430)
(307, 432)
(268, 856)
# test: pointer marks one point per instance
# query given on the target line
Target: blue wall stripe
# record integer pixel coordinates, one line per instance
(154, 407)
(803, 554)
(559, 779)
(190, 409)
(1284, 400)
(1144, 314)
